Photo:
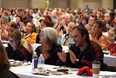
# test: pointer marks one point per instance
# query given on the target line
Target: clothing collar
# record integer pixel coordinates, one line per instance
(87, 48)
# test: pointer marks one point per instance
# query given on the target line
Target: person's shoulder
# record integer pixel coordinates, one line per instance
(9, 47)
(57, 46)
(38, 49)
(21, 48)
(95, 45)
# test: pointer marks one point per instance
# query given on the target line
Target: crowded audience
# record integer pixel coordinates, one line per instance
(87, 32)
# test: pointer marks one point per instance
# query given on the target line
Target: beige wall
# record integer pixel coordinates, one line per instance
(82, 3)
(62, 3)
(58, 3)
(94, 4)
(107, 4)
(22, 3)
(15, 3)
(74, 3)
(0, 3)
(79, 3)
(53, 3)
(38, 3)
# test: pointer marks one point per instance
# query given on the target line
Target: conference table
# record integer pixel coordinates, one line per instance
(108, 59)
(26, 72)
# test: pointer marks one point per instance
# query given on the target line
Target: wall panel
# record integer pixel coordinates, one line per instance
(92, 3)
(15, 3)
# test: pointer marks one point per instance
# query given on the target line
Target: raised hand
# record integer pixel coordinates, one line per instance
(62, 56)
(72, 56)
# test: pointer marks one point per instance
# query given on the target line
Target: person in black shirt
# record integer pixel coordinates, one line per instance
(83, 52)
(15, 49)
(49, 47)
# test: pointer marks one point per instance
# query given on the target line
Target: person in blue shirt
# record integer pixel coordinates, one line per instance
(87, 8)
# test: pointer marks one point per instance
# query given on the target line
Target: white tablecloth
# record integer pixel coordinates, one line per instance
(110, 60)
(26, 72)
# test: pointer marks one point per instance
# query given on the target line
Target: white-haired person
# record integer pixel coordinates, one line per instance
(49, 47)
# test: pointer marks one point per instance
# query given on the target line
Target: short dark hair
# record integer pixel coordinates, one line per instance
(47, 23)
(95, 17)
(83, 32)
(86, 19)
(100, 23)
(21, 19)
(14, 25)
(16, 35)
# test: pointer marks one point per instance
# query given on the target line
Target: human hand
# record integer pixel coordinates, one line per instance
(63, 22)
(92, 34)
(72, 56)
(108, 26)
(29, 47)
(62, 56)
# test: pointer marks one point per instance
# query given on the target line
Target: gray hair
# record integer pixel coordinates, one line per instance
(50, 35)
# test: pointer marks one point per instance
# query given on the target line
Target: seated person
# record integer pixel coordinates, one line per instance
(5, 65)
(43, 23)
(91, 22)
(30, 33)
(111, 35)
(3, 28)
(83, 52)
(83, 22)
(15, 49)
(66, 39)
(49, 47)
(11, 26)
(97, 36)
